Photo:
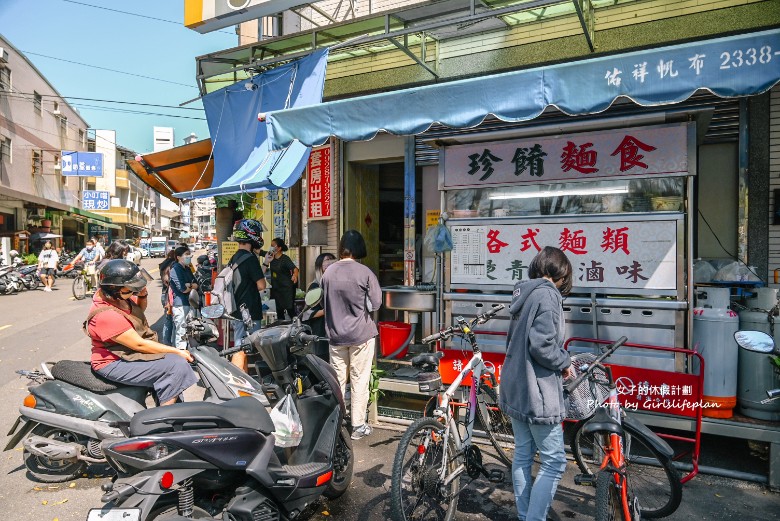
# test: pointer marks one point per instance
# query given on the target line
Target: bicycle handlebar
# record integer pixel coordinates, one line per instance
(569, 387)
(479, 319)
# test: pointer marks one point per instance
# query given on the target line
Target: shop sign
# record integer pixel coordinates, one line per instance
(88, 164)
(607, 254)
(454, 360)
(431, 218)
(642, 151)
(652, 390)
(95, 200)
(318, 184)
(280, 200)
(228, 249)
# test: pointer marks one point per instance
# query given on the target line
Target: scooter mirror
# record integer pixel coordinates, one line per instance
(313, 297)
(215, 311)
(755, 341)
(194, 299)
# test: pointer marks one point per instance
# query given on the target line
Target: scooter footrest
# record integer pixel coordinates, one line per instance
(496, 476)
(584, 480)
(307, 469)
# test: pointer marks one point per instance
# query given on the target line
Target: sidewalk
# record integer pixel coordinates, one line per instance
(368, 498)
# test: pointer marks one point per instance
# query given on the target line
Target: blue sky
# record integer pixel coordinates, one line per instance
(72, 31)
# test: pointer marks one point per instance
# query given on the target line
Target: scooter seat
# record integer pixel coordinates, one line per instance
(81, 375)
(427, 361)
(244, 413)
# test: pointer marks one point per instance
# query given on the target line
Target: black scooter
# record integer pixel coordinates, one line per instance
(219, 461)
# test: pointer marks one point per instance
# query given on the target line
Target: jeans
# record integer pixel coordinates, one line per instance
(167, 331)
(168, 376)
(179, 322)
(533, 502)
(239, 330)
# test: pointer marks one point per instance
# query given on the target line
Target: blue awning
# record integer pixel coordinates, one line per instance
(243, 159)
(732, 66)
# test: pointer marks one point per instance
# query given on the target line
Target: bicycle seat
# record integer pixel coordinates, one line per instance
(427, 361)
(602, 422)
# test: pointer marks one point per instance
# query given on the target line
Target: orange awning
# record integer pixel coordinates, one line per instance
(181, 169)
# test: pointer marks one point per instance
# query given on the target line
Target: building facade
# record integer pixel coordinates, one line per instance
(36, 126)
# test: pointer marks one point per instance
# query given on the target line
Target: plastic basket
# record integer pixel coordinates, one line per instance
(590, 393)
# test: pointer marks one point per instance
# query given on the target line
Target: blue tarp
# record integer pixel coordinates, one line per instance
(731, 66)
(243, 161)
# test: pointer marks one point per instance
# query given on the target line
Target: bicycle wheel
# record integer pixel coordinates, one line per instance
(497, 425)
(79, 287)
(608, 503)
(652, 476)
(417, 492)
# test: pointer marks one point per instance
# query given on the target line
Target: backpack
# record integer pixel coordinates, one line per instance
(226, 283)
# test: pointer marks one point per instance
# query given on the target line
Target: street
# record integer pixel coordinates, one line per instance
(37, 326)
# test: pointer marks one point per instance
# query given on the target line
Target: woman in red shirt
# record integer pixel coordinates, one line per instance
(124, 349)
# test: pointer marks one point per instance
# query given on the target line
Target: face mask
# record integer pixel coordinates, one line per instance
(187, 261)
(89, 248)
(125, 296)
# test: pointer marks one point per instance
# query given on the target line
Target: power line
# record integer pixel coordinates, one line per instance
(23, 95)
(130, 111)
(180, 24)
(110, 70)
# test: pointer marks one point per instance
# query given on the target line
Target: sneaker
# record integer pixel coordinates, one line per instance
(46, 288)
(361, 432)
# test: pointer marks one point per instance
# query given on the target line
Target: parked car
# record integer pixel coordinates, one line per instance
(191, 246)
(134, 254)
(198, 246)
(144, 253)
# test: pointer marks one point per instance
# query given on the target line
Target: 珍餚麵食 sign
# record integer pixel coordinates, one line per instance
(610, 254)
(625, 152)
(318, 185)
(95, 200)
(88, 164)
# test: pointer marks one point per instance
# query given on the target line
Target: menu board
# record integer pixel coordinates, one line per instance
(606, 254)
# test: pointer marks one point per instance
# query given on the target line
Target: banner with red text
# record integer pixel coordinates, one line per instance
(318, 185)
(607, 254)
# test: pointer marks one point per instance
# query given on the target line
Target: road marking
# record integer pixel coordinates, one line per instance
(5, 326)
(155, 269)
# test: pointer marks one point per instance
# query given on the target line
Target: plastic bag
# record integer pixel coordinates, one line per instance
(703, 271)
(287, 423)
(438, 239)
(736, 272)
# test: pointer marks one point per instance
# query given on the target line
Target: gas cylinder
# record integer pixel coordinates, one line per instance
(714, 325)
(756, 374)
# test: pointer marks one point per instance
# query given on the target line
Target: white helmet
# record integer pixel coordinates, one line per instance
(13, 253)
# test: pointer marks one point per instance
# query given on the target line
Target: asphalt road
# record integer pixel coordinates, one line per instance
(38, 326)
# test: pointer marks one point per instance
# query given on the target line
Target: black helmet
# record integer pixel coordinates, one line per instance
(203, 259)
(120, 273)
(249, 230)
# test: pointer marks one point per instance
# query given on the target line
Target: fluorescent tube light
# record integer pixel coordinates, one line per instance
(560, 193)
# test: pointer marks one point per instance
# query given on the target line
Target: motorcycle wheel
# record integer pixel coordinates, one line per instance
(35, 283)
(46, 470)
(344, 461)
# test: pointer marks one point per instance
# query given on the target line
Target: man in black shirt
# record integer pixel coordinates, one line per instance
(251, 281)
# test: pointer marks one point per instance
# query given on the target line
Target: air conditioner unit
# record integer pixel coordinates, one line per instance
(37, 212)
(3, 56)
(56, 113)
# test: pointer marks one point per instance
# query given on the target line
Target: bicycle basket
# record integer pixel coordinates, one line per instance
(590, 393)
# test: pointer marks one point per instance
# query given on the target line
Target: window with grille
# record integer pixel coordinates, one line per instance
(64, 126)
(5, 78)
(5, 149)
(37, 162)
(81, 137)
(37, 100)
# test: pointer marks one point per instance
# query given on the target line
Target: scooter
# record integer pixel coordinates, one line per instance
(10, 281)
(759, 342)
(28, 275)
(71, 409)
(207, 461)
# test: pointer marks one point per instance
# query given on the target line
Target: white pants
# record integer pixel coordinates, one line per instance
(353, 364)
(179, 322)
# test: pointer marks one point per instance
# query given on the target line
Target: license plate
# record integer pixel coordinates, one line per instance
(115, 514)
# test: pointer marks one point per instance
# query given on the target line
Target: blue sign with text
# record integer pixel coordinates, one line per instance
(95, 200)
(89, 164)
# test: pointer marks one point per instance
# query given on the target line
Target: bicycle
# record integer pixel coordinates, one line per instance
(82, 283)
(431, 455)
(630, 466)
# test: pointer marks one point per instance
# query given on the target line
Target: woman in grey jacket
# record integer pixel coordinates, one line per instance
(532, 383)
